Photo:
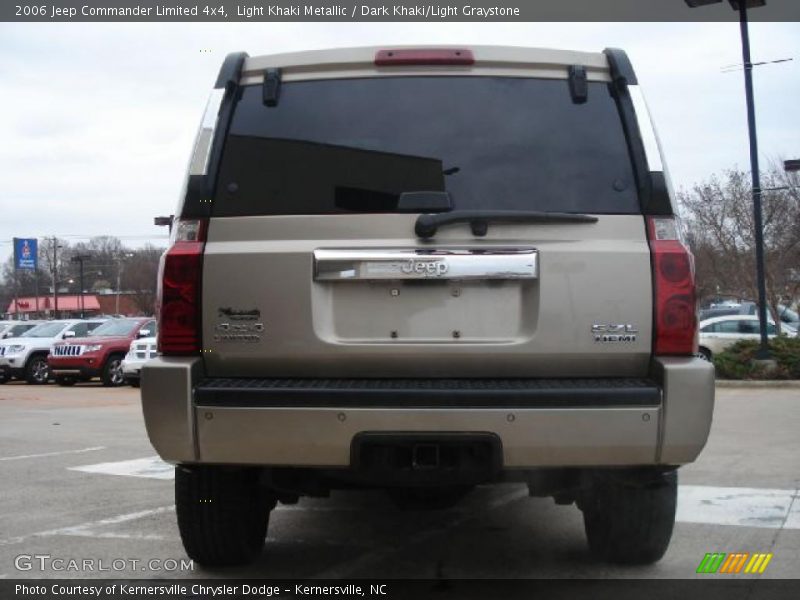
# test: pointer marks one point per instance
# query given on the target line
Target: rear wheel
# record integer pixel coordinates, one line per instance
(704, 353)
(629, 515)
(112, 375)
(36, 370)
(222, 513)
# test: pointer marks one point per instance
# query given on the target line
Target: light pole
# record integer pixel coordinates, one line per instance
(741, 6)
(120, 258)
(79, 258)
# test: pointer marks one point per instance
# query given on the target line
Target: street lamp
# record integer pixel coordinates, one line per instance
(120, 258)
(741, 6)
(79, 258)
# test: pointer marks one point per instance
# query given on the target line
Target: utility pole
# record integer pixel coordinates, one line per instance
(741, 7)
(119, 277)
(758, 219)
(79, 258)
(54, 270)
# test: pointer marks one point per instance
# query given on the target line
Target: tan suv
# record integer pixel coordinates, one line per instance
(425, 269)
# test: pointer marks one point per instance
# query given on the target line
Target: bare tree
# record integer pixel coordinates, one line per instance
(718, 214)
(141, 271)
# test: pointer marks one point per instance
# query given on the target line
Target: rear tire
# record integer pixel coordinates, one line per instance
(112, 372)
(705, 354)
(37, 372)
(629, 515)
(222, 513)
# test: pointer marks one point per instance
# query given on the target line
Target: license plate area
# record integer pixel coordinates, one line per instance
(427, 458)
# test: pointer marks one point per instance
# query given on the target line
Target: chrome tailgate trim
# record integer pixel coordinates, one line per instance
(450, 263)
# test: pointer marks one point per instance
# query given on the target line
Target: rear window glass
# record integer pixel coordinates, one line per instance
(355, 145)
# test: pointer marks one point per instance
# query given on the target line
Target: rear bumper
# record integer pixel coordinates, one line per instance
(539, 423)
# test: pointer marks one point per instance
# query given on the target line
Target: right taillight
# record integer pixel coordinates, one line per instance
(675, 331)
(178, 298)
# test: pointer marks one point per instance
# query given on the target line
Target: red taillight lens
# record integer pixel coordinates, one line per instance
(179, 279)
(424, 56)
(673, 279)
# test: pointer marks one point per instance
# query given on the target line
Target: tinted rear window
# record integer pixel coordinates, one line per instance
(340, 146)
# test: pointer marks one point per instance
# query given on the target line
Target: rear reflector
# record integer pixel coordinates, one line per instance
(178, 300)
(673, 280)
(424, 56)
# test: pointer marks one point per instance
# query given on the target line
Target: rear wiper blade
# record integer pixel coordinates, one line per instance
(427, 224)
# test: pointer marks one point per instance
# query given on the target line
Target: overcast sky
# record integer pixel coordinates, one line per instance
(98, 119)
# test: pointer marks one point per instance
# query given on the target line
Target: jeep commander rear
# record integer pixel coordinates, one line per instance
(425, 269)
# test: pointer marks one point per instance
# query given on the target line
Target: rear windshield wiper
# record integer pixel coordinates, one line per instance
(427, 225)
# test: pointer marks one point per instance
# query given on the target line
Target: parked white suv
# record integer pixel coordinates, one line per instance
(140, 352)
(25, 357)
(9, 329)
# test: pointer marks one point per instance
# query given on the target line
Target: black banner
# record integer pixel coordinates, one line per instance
(388, 10)
(707, 588)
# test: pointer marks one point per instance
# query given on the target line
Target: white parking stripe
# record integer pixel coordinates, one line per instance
(745, 507)
(89, 529)
(151, 467)
(45, 454)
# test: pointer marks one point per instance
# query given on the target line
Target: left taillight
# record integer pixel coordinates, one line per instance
(179, 285)
(675, 310)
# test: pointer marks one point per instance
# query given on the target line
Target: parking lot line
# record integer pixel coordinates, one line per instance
(711, 505)
(89, 529)
(46, 454)
(744, 507)
(150, 467)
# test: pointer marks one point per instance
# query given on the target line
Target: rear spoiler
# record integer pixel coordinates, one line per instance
(651, 181)
(201, 188)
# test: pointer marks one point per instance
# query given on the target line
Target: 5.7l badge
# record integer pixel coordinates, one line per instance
(614, 332)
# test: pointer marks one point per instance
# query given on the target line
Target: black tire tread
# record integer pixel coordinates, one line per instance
(631, 521)
(222, 514)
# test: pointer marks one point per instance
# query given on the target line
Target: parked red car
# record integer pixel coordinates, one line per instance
(99, 355)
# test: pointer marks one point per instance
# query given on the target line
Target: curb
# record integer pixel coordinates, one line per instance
(752, 383)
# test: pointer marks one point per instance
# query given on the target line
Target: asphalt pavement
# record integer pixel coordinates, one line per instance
(82, 487)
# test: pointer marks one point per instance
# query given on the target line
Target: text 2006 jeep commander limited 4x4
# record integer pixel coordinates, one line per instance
(422, 270)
